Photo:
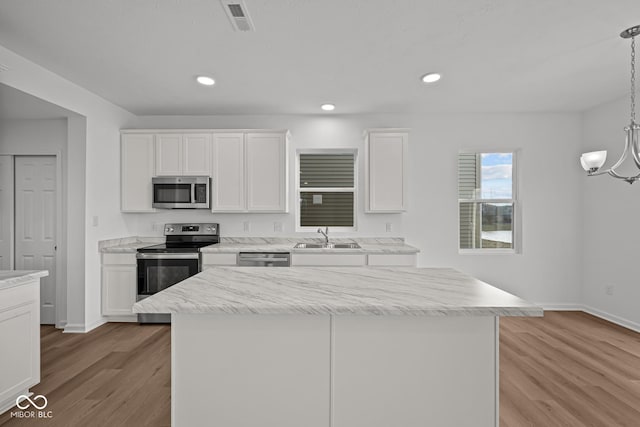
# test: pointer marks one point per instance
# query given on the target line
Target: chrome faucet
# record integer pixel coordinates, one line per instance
(325, 233)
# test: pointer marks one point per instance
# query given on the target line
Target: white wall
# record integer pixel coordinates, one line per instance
(610, 209)
(93, 142)
(548, 269)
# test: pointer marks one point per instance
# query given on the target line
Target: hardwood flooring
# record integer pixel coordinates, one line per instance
(116, 375)
(566, 369)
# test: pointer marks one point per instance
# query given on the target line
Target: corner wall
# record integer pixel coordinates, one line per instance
(610, 208)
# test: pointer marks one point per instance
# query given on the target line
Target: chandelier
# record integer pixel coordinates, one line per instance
(593, 161)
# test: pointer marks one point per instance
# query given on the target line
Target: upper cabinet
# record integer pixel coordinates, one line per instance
(250, 172)
(136, 171)
(183, 154)
(386, 170)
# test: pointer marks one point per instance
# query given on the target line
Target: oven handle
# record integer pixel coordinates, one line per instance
(167, 256)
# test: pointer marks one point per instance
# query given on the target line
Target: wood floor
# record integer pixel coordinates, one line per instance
(566, 369)
(116, 375)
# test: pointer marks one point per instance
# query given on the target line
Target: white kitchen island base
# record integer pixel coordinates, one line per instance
(334, 370)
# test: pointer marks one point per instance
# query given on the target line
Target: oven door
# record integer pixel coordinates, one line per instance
(157, 272)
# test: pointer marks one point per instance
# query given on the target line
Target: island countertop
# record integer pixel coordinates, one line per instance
(336, 291)
(11, 278)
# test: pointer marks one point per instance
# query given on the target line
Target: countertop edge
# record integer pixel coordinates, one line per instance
(25, 276)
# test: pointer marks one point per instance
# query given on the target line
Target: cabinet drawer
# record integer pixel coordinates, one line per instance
(401, 260)
(328, 259)
(128, 258)
(209, 259)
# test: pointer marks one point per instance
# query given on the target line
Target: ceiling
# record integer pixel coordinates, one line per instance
(366, 56)
(17, 105)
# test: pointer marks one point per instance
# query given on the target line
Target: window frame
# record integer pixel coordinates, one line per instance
(515, 201)
(298, 210)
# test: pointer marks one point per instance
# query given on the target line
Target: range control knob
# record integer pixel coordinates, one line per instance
(169, 229)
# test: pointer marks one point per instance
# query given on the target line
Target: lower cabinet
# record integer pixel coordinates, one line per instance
(392, 260)
(334, 260)
(20, 338)
(119, 283)
(210, 260)
(353, 260)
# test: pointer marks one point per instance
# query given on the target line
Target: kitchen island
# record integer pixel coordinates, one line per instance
(339, 347)
(19, 334)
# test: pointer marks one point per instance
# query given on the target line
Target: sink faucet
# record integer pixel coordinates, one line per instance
(325, 233)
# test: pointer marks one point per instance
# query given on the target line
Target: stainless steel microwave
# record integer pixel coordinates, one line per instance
(181, 192)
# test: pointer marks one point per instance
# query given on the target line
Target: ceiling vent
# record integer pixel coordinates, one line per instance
(3, 68)
(237, 12)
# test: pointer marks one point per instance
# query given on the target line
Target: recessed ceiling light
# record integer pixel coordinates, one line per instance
(431, 77)
(328, 107)
(206, 81)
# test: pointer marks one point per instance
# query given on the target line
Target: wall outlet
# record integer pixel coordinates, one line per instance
(389, 227)
(247, 226)
(609, 289)
(277, 227)
(96, 221)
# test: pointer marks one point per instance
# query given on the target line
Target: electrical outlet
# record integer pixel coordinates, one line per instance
(247, 226)
(96, 221)
(609, 289)
(389, 227)
(277, 227)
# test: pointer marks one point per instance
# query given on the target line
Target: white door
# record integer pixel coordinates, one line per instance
(6, 211)
(35, 205)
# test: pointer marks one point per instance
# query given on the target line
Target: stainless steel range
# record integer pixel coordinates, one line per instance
(164, 265)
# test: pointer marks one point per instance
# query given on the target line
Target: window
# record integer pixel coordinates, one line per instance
(487, 201)
(326, 189)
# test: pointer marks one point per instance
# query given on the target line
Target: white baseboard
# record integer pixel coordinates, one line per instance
(634, 326)
(81, 328)
(561, 307)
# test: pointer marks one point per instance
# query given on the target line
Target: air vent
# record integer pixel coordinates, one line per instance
(238, 15)
(3, 68)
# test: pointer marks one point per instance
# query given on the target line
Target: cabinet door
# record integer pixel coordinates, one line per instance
(168, 154)
(328, 260)
(196, 154)
(228, 173)
(137, 153)
(386, 171)
(118, 289)
(266, 155)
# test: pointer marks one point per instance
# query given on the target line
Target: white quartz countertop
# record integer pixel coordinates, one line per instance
(266, 244)
(11, 278)
(336, 291)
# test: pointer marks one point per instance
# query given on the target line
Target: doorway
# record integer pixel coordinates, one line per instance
(29, 218)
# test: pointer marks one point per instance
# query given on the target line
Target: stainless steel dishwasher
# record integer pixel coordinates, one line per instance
(264, 259)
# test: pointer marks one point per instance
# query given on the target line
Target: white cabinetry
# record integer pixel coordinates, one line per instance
(210, 260)
(250, 172)
(389, 260)
(228, 173)
(119, 282)
(386, 171)
(136, 171)
(20, 338)
(337, 260)
(183, 154)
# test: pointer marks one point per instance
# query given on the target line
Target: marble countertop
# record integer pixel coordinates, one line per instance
(390, 245)
(11, 278)
(336, 291)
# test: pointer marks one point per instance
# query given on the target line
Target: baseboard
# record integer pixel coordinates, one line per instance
(81, 328)
(634, 326)
(561, 307)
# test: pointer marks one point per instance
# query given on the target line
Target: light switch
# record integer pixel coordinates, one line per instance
(247, 226)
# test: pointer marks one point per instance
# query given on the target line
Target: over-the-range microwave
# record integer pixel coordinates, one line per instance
(181, 192)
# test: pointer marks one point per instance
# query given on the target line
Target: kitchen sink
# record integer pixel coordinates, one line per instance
(327, 246)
